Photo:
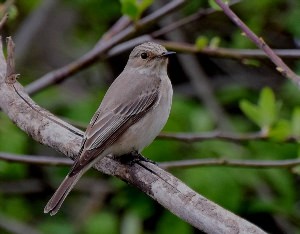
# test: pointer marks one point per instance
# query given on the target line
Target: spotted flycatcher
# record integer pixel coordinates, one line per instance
(132, 113)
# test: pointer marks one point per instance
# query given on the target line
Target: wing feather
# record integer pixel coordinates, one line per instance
(106, 128)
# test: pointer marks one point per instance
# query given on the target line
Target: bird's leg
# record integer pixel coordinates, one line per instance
(140, 158)
(135, 158)
(132, 158)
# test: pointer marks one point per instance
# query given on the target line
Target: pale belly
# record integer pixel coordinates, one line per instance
(142, 133)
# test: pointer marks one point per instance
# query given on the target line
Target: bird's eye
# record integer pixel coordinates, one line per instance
(144, 55)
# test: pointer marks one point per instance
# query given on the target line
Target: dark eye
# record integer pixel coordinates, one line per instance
(144, 55)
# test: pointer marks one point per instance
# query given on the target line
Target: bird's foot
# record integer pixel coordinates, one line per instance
(132, 158)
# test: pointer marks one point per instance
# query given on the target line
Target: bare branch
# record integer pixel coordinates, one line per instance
(163, 187)
(196, 137)
(281, 66)
(15, 226)
(3, 21)
(186, 20)
(6, 6)
(93, 55)
(220, 52)
(213, 162)
(39, 160)
(267, 164)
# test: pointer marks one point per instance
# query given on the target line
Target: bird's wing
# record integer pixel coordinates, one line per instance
(111, 121)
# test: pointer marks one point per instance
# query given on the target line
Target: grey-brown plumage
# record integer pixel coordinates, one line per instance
(132, 113)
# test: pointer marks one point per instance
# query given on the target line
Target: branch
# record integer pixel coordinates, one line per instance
(260, 43)
(15, 226)
(93, 55)
(186, 20)
(287, 163)
(3, 21)
(163, 187)
(38, 160)
(196, 137)
(220, 52)
(56, 161)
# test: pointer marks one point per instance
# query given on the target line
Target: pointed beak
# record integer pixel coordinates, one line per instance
(167, 54)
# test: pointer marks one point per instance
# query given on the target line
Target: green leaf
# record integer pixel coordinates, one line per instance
(251, 62)
(267, 107)
(214, 5)
(143, 5)
(264, 114)
(201, 42)
(134, 8)
(214, 42)
(281, 130)
(130, 8)
(251, 111)
(295, 128)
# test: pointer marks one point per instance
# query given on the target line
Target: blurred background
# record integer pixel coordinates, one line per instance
(212, 92)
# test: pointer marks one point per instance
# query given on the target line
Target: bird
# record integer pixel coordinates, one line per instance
(132, 113)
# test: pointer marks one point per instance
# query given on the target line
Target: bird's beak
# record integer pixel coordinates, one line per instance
(167, 54)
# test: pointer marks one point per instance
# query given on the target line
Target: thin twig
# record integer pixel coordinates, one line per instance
(221, 52)
(39, 160)
(281, 66)
(196, 137)
(122, 23)
(6, 6)
(287, 163)
(3, 21)
(10, 225)
(57, 161)
(93, 55)
(186, 20)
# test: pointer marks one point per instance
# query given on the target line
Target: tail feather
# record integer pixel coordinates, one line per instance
(61, 193)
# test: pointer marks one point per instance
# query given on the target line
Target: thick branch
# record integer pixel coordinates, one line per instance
(152, 180)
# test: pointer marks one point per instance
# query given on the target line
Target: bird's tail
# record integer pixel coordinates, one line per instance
(61, 193)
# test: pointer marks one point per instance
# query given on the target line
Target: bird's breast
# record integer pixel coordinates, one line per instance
(143, 132)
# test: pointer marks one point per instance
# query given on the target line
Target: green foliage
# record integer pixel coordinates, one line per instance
(131, 223)
(134, 8)
(12, 12)
(201, 42)
(291, 20)
(214, 5)
(106, 220)
(168, 223)
(215, 42)
(12, 207)
(12, 140)
(265, 112)
(59, 226)
(295, 128)
(281, 130)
